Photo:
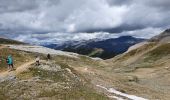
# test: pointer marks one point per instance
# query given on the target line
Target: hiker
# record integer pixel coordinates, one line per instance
(9, 61)
(1, 59)
(48, 57)
(37, 60)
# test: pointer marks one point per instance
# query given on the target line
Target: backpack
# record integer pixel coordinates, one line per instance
(7, 60)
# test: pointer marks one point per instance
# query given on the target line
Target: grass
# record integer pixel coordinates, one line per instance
(25, 75)
(43, 74)
(81, 61)
(78, 92)
(137, 51)
(152, 57)
(147, 60)
(140, 63)
(2, 95)
(155, 55)
(96, 52)
(159, 52)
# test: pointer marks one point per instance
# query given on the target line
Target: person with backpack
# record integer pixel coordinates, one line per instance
(1, 59)
(48, 57)
(37, 60)
(10, 63)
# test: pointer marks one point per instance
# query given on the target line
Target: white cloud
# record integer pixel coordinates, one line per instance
(143, 33)
(60, 38)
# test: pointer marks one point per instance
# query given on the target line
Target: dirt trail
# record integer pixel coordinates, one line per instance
(18, 70)
(24, 67)
(2, 46)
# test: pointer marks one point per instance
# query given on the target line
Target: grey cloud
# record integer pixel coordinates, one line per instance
(73, 17)
(119, 2)
(163, 5)
(7, 6)
(63, 15)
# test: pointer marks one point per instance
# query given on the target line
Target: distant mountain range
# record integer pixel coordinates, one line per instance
(98, 48)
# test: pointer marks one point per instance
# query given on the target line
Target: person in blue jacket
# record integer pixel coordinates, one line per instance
(10, 63)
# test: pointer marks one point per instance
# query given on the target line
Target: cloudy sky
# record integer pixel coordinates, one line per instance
(42, 21)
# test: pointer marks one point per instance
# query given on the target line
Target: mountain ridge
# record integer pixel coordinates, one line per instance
(162, 37)
(105, 49)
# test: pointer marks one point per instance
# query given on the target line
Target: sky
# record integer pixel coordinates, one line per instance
(49, 21)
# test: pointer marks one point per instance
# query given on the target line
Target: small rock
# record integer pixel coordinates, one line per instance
(11, 77)
(67, 69)
(132, 78)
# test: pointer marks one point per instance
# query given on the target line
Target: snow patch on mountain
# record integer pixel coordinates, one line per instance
(112, 90)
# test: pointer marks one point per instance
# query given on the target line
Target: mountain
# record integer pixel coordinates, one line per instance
(99, 48)
(149, 63)
(163, 37)
(9, 41)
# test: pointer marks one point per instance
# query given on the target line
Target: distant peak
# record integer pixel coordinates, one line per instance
(168, 30)
(127, 36)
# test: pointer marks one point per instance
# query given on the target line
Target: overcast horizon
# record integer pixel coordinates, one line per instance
(49, 21)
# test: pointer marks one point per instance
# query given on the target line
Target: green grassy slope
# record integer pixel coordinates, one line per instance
(152, 58)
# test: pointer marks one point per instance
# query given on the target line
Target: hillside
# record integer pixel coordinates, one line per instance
(9, 41)
(51, 80)
(149, 63)
(163, 37)
(99, 48)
